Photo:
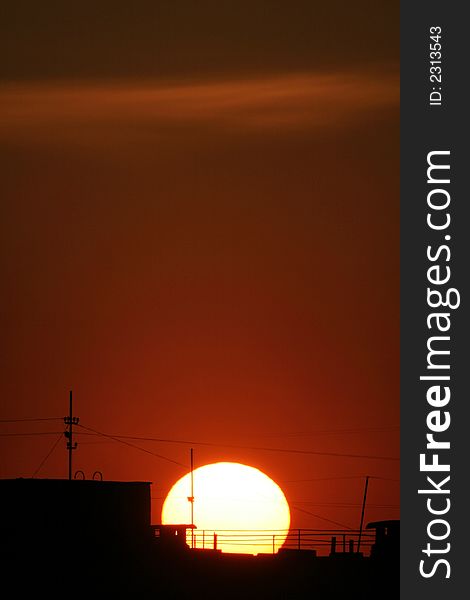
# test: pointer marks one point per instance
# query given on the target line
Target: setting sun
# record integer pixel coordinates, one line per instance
(244, 507)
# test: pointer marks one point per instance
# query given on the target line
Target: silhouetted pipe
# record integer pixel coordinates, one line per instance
(362, 513)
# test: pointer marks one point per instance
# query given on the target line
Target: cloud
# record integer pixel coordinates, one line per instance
(68, 112)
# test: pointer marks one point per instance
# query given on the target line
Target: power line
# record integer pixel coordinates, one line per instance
(339, 478)
(261, 448)
(27, 434)
(29, 420)
(42, 463)
(319, 516)
(122, 438)
(324, 478)
(344, 504)
(116, 439)
(348, 431)
(95, 442)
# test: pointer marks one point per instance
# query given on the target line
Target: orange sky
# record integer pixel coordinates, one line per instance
(206, 251)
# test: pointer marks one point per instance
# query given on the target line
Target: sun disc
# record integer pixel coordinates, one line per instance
(245, 508)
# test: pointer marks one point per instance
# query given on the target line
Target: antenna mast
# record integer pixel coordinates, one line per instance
(70, 421)
(191, 498)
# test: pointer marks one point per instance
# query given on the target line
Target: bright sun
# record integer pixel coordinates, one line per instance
(231, 500)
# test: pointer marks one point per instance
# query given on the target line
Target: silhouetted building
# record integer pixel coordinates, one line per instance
(91, 514)
(387, 539)
(61, 537)
(172, 536)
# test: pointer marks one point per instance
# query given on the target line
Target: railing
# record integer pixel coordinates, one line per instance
(322, 541)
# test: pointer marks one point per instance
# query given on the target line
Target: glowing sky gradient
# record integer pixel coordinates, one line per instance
(199, 235)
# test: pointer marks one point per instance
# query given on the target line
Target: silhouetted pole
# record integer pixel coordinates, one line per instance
(191, 498)
(70, 421)
(333, 545)
(362, 513)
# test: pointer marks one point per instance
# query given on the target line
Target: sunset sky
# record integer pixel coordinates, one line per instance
(200, 237)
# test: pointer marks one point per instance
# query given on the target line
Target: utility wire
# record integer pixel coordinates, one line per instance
(121, 438)
(117, 439)
(27, 434)
(325, 478)
(279, 434)
(344, 504)
(266, 449)
(43, 462)
(339, 478)
(307, 512)
(356, 430)
(30, 420)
